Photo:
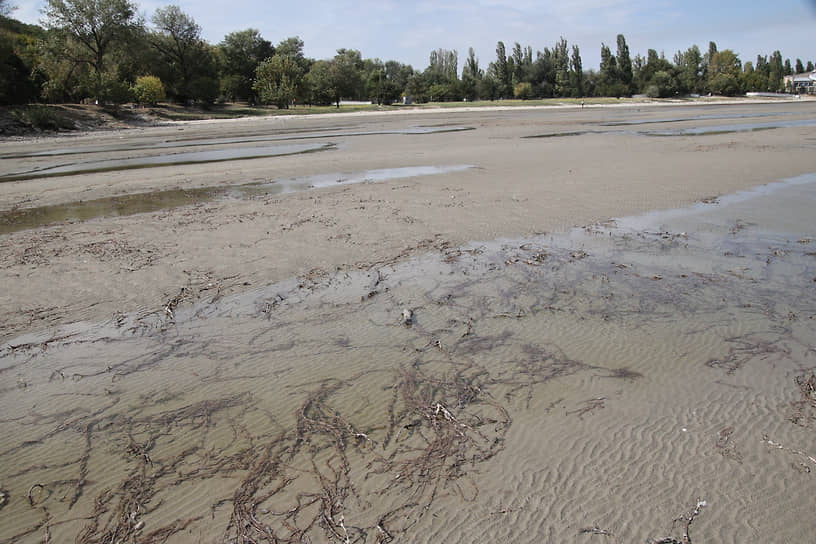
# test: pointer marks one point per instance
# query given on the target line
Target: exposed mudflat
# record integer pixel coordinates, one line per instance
(416, 335)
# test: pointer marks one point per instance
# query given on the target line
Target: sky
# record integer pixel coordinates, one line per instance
(409, 30)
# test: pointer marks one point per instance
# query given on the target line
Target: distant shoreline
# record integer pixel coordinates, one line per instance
(58, 119)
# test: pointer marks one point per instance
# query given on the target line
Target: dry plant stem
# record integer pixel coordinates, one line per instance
(595, 531)
(686, 520)
(778, 446)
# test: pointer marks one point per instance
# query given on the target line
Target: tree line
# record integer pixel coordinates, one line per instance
(105, 51)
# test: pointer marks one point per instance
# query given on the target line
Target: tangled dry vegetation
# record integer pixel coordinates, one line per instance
(328, 469)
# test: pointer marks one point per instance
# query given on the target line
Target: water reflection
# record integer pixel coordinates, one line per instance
(280, 136)
(726, 129)
(192, 157)
(694, 118)
(26, 218)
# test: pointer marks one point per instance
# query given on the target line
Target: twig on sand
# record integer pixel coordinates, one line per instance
(779, 446)
(686, 520)
(588, 406)
(595, 531)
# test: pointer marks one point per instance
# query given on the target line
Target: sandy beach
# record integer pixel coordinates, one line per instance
(446, 326)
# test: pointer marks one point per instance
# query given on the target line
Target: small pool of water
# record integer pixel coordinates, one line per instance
(193, 157)
(694, 118)
(27, 218)
(279, 136)
(726, 129)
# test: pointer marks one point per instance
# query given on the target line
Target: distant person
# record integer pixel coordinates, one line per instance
(582, 104)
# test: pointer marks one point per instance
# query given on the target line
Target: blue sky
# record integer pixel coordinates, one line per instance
(408, 30)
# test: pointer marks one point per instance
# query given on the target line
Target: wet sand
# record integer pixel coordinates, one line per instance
(243, 369)
(519, 186)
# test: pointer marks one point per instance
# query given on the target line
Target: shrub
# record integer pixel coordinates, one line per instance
(107, 88)
(148, 90)
(523, 91)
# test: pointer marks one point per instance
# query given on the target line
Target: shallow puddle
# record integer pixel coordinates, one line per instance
(27, 218)
(694, 118)
(727, 129)
(654, 358)
(564, 134)
(278, 136)
(692, 131)
(192, 157)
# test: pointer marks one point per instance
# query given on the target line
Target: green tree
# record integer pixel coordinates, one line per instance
(576, 74)
(379, 88)
(488, 87)
(15, 86)
(517, 57)
(398, 73)
(292, 47)
(799, 66)
(439, 92)
(725, 84)
(319, 84)
(471, 76)
(725, 62)
(759, 78)
(809, 67)
(67, 76)
(662, 85)
(610, 84)
(776, 73)
(346, 74)
(187, 65)
(382, 81)
(751, 79)
(417, 88)
(242, 52)
(442, 67)
(542, 74)
(690, 70)
(712, 49)
(20, 77)
(624, 64)
(500, 70)
(561, 57)
(90, 28)
(277, 79)
(724, 72)
(472, 66)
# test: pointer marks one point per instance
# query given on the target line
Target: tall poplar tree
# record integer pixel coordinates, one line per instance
(562, 82)
(501, 72)
(576, 72)
(624, 62)
(609, 72)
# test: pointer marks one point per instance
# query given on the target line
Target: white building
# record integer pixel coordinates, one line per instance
(801, 83)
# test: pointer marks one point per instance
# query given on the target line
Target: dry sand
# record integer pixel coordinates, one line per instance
(244, 358)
